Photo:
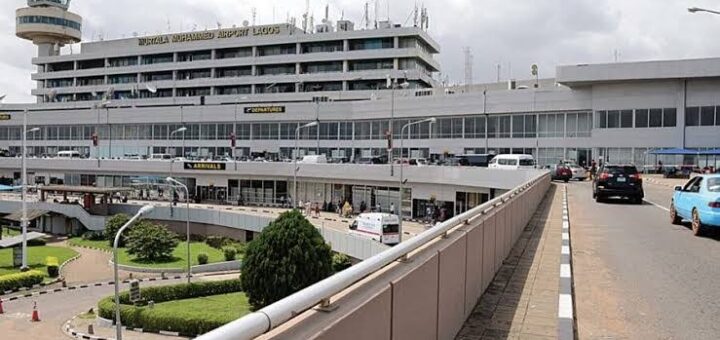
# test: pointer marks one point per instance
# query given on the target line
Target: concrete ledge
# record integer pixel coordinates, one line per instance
(205, 268)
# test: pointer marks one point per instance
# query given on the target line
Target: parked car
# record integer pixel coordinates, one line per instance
(560, 172)
(618, 181)
(512, 162)
(579, 173)
(698, 201)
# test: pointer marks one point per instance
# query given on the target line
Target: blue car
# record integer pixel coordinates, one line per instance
(698, 201)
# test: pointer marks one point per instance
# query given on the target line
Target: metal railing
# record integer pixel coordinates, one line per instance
(274, 315)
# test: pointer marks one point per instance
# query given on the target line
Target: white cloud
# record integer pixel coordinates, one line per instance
(514, 33)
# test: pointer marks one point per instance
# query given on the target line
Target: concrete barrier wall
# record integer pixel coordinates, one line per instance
(431, 294)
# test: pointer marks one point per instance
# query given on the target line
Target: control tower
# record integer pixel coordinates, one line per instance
(49, 25)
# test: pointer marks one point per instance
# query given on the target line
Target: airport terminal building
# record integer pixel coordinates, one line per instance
(244, 92)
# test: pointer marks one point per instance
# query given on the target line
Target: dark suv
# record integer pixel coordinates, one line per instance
(620, 181)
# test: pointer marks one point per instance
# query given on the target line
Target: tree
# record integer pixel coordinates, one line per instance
(149, 241)
(341, 262)
(289, 255)
(112, 226)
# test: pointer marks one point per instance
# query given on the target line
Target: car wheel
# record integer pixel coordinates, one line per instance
(697, 227)
(566, 180)
(637, 200)
(594, 194)
(598, 198)
(674, 217)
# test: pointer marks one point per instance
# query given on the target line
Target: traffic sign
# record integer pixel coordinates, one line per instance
(134, 291)
(5, 116)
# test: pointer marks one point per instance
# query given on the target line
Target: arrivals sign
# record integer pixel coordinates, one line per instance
(204, 166)
(210, 35)
(264, 109)
(5, 116)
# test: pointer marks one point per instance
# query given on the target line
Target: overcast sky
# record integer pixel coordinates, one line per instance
(512, 33)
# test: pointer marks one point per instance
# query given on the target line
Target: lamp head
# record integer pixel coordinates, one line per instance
(35, 129)
(432, 120)
(311, 124)
(2, 97)
(693, 9)
(145, 210)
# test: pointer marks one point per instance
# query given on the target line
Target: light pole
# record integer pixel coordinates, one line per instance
(118, 324)
(179, 130)
(23, 219)
(400, 206)
(295, 163)
(393, 84)
(173, 182)
(697, 9)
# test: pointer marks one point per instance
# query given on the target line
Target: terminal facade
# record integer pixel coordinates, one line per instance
(242, 93)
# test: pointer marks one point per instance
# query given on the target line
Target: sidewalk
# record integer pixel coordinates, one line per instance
(667, 182)
(522, 300)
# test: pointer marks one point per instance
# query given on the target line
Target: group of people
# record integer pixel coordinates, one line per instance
(344, 210)
(434, 214)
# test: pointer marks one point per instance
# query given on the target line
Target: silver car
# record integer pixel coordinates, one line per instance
(579, 173)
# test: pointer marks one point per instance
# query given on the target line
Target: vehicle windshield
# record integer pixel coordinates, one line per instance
(713, 184)
(527, 162)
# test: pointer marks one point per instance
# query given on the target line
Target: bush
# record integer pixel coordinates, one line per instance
(218, 242)
(230, 253)
(112, 226)
(18, 280)
(53, 271)
(202, 258)
(289, 255)
(38, 242)
(341, 262)
(93, 235)
(140, 317)
(151, 242)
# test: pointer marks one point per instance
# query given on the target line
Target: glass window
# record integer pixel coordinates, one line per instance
(371, 44)
(641, 118)
(669, 117)
(613, 119)
(530, 126)
(287, 131)
(504, 127)
(346, 130)
(707, 116)
(626, 119)
(572, 121)
(518, 126)
(692, 116)
(244, 131)
(601, 119)
(492, 128)
(374, 64)
(475, 127)
(655, 118)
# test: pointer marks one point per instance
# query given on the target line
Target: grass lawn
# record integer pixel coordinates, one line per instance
(36, 258)
(223, 308)
(9, 232)
(177, 261)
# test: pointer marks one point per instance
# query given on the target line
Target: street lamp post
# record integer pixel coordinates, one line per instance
(393, 85)
(295, 163)
(697, 9)
(400, 201)
(118, 324)
(173, 182)
(24, 219)
(179, 130)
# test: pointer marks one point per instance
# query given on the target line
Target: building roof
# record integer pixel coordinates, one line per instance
(31, 215)
(84, 189)
(16, 240)
(590, 74)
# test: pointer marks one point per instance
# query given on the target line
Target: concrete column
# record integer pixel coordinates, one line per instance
(346, 45)
(396, 42)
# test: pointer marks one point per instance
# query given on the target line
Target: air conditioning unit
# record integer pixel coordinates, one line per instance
(345, 26)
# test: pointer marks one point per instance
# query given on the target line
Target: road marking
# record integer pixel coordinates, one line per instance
(565, 236)
(565, 271)
(566, 225)
(657, 205)
(565, 250)
(565, 306)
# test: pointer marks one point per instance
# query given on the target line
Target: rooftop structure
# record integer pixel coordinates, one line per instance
(48, 24)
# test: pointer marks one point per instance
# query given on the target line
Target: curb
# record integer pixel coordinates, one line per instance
(566, 310)
(67, 328)
(62, 266)
(88, 285)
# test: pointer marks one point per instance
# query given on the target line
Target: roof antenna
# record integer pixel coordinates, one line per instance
(254, 15)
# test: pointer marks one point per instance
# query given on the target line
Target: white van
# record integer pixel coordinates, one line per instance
(381, 227)
(315, 159)
(161, 157)
(512, 162)
(68, 154)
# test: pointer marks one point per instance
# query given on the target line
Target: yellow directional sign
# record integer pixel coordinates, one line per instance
(5, 116)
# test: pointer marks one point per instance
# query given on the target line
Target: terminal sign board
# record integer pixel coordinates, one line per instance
(211, 35)
(5, 116)
(212, 166)
(264, 109)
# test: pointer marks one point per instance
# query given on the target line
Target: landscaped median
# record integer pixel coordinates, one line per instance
(188, 309)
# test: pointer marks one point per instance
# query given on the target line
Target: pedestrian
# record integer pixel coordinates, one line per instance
(392, 208)
(301, 205)
(593, 169)
(317, 209)
(378, 208)
(363, 207)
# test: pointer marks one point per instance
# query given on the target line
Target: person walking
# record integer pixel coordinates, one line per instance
(392, 208)
(593, 169)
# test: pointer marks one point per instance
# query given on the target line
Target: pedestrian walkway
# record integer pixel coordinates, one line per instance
(667, 182)
(93, 266)
(522, 300)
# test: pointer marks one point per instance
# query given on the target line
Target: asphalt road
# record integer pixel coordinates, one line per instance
(637, 275)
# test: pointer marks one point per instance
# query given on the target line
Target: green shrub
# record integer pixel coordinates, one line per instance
(341, 262)
(38, 242)
(53, 271)
(202, 258)
(218, 242)
(112, 226)
(149, 241)
(142, 317)
(18, 280)
(93, 235)
(289, 255)
(229, 253)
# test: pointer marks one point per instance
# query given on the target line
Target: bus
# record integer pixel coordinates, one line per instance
(482, 160)
(381, 227)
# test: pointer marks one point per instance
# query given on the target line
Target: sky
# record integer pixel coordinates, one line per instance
(511, 33)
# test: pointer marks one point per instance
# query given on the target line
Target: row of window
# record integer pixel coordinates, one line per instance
(702, 116)
(470, 127)
(240, 52)
(39, 19)
(638, 118)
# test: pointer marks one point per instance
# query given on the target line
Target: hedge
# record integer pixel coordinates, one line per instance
(18, 280)
(145, 318)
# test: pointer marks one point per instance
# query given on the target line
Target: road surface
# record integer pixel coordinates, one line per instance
(637, 276)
